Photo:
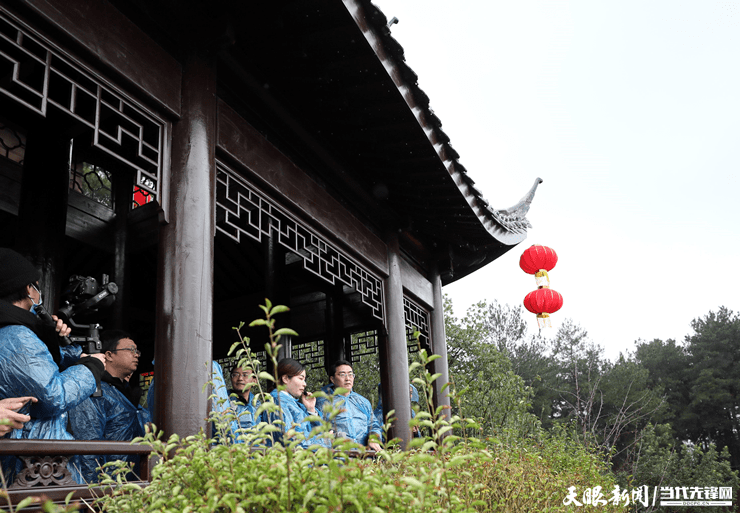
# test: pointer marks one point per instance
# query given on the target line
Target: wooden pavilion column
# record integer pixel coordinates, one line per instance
(123, 197)
(439, 343)
(42, 210)
(394, 365)
(277, 291)
(183, 348)
(334, 346)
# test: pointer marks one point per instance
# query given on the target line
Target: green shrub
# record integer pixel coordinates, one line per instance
(446, 471)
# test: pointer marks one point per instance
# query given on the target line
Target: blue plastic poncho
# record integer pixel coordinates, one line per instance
(357, 421)
(109, 417)
(222, 404)
(246, 410)
(28, 369)
(378, 411)
(294, 413)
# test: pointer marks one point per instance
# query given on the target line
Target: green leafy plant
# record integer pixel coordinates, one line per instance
(446, 471)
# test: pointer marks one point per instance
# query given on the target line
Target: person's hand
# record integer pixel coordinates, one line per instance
(14, 419)
(374, 446)
(99, 356)
(309, 401)
(61, 328)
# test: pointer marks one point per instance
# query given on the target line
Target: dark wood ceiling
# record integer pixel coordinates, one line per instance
(304, 73)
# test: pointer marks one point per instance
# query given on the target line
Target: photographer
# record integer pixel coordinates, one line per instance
(28, 367)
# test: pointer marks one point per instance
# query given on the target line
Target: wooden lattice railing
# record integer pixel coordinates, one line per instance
(46, 461)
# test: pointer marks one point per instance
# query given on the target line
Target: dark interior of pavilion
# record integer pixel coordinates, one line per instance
(102, 192)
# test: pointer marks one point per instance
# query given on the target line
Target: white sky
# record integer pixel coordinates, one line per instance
(630, 113)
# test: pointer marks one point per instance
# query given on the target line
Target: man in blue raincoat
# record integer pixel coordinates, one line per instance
(29, 352)
(243, 397)
(115, 415)
(356, 422)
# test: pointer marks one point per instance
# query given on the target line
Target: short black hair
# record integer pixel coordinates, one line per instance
(252, 365)
(333, 367)
(109, 339)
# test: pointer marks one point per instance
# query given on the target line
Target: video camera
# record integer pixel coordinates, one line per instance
(82, 297)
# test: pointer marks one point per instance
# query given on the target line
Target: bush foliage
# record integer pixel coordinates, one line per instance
(444, 471)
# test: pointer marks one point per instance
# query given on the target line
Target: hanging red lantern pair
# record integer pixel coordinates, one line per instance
(538, 260)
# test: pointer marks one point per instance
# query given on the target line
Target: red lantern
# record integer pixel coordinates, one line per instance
(538, 260)
(543, 302)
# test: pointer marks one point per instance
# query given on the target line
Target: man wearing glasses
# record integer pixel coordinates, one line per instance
(356, 422)
(116, 414)
(30, 381)
(244, 403)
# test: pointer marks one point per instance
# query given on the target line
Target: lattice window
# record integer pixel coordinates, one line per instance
(40, 77)
(93, 182)
(12, 142)
(310, 354)
(241, 210)
(417, 319)
(364, 343)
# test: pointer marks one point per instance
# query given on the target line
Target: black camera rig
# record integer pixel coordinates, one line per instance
(82, 297)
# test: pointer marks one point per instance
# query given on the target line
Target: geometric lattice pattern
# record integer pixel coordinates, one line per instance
(42, 79)
(241, 210)
(310, 354)
(92, 181)
(417, 319)
(362, 344)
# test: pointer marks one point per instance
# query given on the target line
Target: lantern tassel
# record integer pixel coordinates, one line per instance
(543, 320)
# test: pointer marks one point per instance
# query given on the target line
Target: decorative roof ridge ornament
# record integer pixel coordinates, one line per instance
(509, 226)
(515, 218)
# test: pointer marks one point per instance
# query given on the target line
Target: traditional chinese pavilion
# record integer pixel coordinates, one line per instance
(206, 155)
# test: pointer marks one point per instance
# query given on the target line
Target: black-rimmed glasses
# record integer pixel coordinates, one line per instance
(132, 349)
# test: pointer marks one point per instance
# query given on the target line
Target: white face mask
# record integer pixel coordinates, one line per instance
(34, 304)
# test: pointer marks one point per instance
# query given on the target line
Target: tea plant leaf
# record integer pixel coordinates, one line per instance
(26, 502)
(285, 331)
(279, 309)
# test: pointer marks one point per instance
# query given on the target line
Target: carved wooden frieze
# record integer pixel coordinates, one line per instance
(243, 211)
(43, 471)
(416, 318)
(40, 76)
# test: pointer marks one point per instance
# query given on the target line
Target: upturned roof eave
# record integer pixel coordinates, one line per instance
(373, 26)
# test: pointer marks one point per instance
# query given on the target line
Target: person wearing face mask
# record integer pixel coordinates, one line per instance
(28, 367)
(356, 421)
(295, 403)
(115, 415)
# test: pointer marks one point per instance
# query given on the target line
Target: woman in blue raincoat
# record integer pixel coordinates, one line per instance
(295, 403)
(28, 367)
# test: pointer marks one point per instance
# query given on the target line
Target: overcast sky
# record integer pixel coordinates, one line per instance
(630, 113)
